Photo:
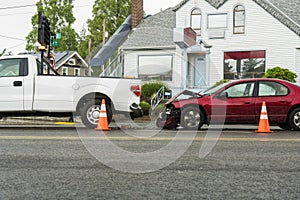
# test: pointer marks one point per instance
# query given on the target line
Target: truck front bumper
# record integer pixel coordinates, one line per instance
(136, 111)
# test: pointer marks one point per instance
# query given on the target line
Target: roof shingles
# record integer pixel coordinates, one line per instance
(154, 31)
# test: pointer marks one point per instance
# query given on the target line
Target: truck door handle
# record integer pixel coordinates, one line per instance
(17, 83)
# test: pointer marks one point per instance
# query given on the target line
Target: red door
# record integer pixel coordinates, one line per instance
(237, 102)
(278, 99)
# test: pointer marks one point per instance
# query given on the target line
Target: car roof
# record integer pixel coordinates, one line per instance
(260, 79)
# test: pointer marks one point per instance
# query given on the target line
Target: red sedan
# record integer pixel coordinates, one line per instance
(235, 102)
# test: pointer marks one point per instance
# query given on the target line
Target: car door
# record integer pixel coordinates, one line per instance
(12, 72)
(240, 103)
(278, 99)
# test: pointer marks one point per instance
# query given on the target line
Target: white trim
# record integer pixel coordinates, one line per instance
(70, 57)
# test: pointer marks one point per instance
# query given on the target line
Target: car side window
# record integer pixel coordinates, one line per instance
(240, 90)
(13, 67)
(268, 88)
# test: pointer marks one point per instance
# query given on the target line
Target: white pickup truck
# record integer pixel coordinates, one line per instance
(26, 91)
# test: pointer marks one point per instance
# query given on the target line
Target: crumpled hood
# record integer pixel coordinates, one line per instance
(185, 92)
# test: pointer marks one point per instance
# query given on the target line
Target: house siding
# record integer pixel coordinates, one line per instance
(297, 62)
(262, 32)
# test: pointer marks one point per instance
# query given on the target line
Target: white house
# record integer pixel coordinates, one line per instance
(235, 39)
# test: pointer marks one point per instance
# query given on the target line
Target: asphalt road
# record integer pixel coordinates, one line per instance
(58, 163)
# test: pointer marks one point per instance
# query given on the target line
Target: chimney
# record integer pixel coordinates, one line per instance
(137, 13)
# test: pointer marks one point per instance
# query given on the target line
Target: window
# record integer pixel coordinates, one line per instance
(196, 20)
(65, 71)
(267, 88)
(244, 64)
(239, 20)
(156, 67)
(217, 20)
(76, 72)
(13, 67)
(241, 90)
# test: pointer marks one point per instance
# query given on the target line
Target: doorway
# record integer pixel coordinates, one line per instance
(200, 72)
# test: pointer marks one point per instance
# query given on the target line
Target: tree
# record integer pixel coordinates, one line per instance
(60, 15)
(251, 66)
(113, 12)
(281, 73)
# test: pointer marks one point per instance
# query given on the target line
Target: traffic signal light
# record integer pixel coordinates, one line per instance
(43, 30)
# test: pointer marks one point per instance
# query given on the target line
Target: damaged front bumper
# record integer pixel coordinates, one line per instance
(136, 111)
(167, 120)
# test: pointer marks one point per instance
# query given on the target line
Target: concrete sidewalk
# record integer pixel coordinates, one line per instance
(119, 122)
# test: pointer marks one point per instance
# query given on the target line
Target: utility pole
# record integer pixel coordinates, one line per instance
(103, 40)
(89, 58)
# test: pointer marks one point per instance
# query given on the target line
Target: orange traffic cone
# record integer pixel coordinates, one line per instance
(263, 126)
(103, 122)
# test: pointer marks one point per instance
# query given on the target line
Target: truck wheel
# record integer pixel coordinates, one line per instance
(90, 113)
(192, 118)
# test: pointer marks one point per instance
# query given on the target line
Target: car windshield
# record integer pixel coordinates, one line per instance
(214, 89)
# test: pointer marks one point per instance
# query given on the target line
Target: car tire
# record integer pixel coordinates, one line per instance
(294, 119)
(90, 113)
(192, 118)
(284, 126)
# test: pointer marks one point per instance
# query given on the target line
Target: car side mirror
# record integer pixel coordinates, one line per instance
(223, 95)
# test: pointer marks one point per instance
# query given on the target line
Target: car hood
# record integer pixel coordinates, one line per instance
(184, 95)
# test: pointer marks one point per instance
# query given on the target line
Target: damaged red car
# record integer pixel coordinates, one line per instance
(235, 102)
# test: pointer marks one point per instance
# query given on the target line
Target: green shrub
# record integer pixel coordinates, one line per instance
(281, 73)
(151, 88)
(145, 107)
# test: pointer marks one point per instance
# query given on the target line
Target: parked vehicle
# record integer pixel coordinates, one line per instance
(25, 90)
(235, 102)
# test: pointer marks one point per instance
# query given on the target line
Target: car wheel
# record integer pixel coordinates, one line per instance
(284, 126)
(90, 113)
(192, 118)
(294, 119)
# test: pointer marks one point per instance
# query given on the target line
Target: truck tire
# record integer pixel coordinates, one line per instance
(90, 113)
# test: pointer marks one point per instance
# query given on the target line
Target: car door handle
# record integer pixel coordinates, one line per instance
(247, 102)
(17, 83)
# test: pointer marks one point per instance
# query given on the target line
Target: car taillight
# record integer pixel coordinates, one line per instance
(136, 90)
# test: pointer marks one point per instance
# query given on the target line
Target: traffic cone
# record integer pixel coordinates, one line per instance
(103, 122)
(263, 126)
